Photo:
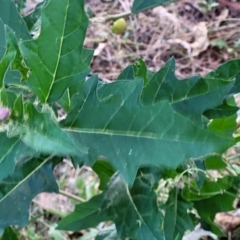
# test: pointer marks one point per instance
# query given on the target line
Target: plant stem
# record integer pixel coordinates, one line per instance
(69, 195)
(111, 17)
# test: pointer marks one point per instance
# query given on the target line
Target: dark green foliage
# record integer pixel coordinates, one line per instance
(145, 127)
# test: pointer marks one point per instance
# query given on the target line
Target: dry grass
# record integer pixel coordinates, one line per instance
(199, 39)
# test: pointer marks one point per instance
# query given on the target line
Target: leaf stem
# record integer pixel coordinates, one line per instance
(72, 196)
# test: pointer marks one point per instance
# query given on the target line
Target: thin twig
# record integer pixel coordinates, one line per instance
(50, 210)
(69, 195)
(111, 17)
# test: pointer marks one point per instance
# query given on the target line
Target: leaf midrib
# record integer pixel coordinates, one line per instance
(27, 177)
(147, 135)
(59, 54)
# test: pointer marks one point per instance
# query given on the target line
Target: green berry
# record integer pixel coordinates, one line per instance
(119, 26)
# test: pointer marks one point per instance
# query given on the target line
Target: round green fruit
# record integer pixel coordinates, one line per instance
(119, 26)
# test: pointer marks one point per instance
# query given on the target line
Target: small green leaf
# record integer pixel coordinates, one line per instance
(12, 69)
(34, 16)
(134, 211)
(224, 125)
(11, 17)
(68, 97)
(142, 5)
(104, 171)
(30, 178)
(224, 110)
(141, 71)
(177, 220)
(13, 150)
(127, 73)
(7, 59)
(208, 208)
(18, 110)
(13, 48)
(107, 233)
(8, 234)
(4, 67)
(85, 215)
(7, 98)
(215, 162)
(208, 190)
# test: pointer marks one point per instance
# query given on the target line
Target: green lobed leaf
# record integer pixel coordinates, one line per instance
(63, 28)
(29, 179)
(117, 201)
(176, 220)
(130, 135)
(191, 97)
(85, 215)
(142, 5)
(134, 210)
